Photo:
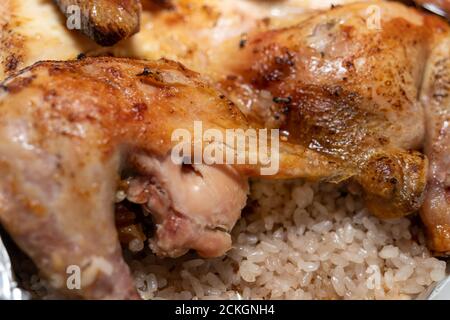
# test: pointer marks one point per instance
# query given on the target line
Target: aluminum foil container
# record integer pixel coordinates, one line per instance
(8, 286)
(438, 291)
(434, 8)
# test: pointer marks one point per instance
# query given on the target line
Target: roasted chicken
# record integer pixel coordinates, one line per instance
(354, 83)
(62, 149)
(67, 130)
(358, 91)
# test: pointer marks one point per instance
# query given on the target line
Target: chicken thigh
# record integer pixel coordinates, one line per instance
(346, 89)
(343, 86)
(344, 83)
(67, 130)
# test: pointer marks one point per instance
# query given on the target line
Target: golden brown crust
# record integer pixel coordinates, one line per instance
(11, 43)
(78, 117)
(78, 123)
(336, 86)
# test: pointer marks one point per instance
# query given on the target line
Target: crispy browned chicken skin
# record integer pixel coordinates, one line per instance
(353, 99)
(337, 84)
(67, 130)
(361, 94)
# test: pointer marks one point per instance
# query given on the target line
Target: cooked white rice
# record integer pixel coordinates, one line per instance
(301, 241)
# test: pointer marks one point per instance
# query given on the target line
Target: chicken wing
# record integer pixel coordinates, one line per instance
(350, 88)
(35, 30)
(328, 82)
